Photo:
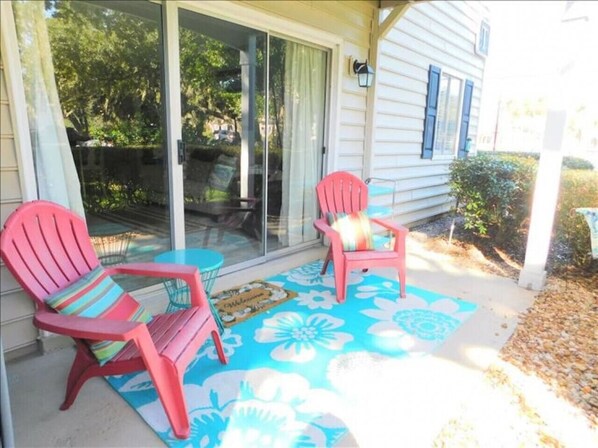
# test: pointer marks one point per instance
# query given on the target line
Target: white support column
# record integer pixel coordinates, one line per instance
(370, 112)
(533, 274)
(569, 40)
(172, 100)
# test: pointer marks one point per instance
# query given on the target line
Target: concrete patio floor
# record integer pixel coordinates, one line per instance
(408, 400)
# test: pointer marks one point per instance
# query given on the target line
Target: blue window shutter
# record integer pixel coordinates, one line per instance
(431, 111)
(465, 120)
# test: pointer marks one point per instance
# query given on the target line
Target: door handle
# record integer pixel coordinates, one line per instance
(182, 151)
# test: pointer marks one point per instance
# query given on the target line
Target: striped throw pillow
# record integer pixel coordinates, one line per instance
(97, 295)
(354, 229)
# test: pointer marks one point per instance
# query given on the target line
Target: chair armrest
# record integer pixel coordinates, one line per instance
(189, 274)
(162, 270)
(398, 230)
(87, 328)
(323, 227)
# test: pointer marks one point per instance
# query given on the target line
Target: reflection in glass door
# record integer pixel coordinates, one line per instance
(253, 153)
(106, 62)
(222, 102)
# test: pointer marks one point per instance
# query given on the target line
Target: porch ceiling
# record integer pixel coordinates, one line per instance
(383, 4)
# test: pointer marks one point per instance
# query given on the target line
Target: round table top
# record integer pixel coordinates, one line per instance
(204, 259)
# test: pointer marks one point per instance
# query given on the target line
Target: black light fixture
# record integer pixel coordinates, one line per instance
(364, 72)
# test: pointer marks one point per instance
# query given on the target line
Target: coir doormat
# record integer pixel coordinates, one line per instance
(238, 304)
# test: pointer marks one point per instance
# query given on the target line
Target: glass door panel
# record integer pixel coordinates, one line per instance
(222, 102)
(107, 65)
(297, 98)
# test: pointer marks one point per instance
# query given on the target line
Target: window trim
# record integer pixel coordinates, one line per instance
(462, 79)
(482, 43)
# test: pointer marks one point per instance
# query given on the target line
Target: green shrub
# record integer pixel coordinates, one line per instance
(578, 189)
(576, 163)
(570, 162)
(493, 192)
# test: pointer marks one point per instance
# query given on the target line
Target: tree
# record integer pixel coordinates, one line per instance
(108, 68)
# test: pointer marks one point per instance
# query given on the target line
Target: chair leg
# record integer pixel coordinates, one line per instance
(402, 280)
(169, 385)
(81, 371)
(340, 280)
(219, 349)
(326, 261)
(206, 238)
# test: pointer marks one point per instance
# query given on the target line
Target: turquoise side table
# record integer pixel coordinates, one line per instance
(207, 261)
(111, 242)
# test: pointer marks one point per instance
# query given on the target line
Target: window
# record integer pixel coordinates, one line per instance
(483, 39)
(449, 103)
(448, 107)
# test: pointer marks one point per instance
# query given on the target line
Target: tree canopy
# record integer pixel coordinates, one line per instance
(109, 71)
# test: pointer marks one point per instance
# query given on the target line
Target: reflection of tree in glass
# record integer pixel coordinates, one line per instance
(107, 67)
(277, 55)
(108, 70)
(210, 84)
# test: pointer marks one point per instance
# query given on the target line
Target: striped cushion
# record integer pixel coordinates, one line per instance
(354, 229)
(97, 295)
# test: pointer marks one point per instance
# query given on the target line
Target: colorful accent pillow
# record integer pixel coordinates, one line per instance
(354, 228)
(97, 295)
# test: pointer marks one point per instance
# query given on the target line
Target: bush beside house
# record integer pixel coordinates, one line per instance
(494, 194)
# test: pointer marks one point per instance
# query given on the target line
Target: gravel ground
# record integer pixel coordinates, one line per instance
(543, 389)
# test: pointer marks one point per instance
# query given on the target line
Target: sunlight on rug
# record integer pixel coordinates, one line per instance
(289, 378)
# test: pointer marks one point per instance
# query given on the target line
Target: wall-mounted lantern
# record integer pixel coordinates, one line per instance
(364, 72)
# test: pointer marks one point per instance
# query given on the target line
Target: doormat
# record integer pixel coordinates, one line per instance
(241, 303)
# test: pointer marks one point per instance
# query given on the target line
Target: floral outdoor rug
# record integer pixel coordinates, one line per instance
(239, 304)
(288, 380)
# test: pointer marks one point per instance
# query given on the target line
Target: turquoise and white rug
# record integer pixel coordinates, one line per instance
(284, 385)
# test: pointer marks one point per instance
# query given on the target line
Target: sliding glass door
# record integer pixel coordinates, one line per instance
(252, 126)
(93, 76)
(223, 100)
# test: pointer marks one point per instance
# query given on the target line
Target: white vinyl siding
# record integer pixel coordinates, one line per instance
(438, 33)
(19, 336)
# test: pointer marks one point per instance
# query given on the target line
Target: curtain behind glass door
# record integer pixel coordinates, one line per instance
(297, 97)
(106, 62)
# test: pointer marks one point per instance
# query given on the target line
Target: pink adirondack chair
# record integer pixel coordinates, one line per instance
(46, 247)
(343, 192)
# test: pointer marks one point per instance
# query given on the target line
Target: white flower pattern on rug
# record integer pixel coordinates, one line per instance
(315, 299)
(139, 382)
(386, 288)
(415, 324)
(255, 408)
(300, 336)
(309, 275)
(230, 341)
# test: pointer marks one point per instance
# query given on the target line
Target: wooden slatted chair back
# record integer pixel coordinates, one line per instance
(342, 192)
(46, 247)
